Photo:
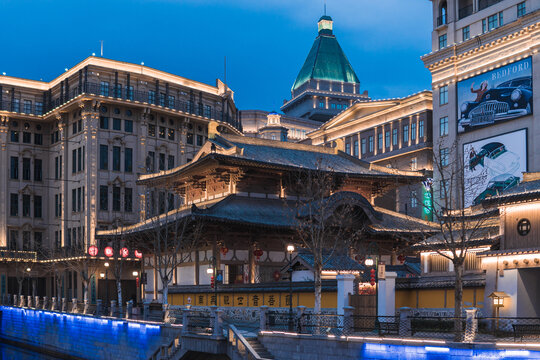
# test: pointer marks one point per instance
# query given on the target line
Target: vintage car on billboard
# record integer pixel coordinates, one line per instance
(497, 186)
(495, 158)
(509, 99)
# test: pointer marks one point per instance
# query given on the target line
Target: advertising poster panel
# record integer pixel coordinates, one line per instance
(494, 165)
(495, 96)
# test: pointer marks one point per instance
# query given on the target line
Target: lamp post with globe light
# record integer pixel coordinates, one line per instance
(373, 263)
(290, 250)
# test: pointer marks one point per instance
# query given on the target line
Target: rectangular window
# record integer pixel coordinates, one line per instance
(521, 9)
(170, 134)
(128, 160)
(116, 158)
(152, 130)
(151, 161)
(38, 170)
(128, 199)
(79, 199)
(118, 90)
(321, 105)
(442, 41)
(162, 99)
(466, 33)
(348, 148)
(27, 106)
(443, 95)
(161, 161)
(128, 126)
(13, 239)
(56, 205)
(444, 155)
(26, 137)
(26, 205)
(414, 200)
(103, 197)
(104, 122)
(56, 168)
(26, 240)
(129, 92)
(405, 134)
(116, 198)
(26, 169)
(189, 138)
(364, 146)
(492, 22)
(38, 139)
(380, 144)
(414, 164)
(104, 88)
(170, 202)
(171, 102)
(14, 136)
(79, 159)
(15, 106)
(207, 111)
(74, 161)
(39, 108)
(14, 204)
(370, 143)
(199, 140)
(103, 157)
(170, 164)
(394, 137)
(355, 148)
(38, 240)
(73, 200)
(14, 167)
(421, 129)
(117, 124)
(443, 126)
(162, 132)
(387, 138)
(413, 131)
(151, 96)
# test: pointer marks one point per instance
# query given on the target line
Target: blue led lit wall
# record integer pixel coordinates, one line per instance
(402, 352)
(82, 336)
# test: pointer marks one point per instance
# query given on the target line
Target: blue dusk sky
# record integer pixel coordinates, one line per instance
(265, 41)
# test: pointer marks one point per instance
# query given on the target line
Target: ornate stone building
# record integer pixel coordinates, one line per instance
(72, 150)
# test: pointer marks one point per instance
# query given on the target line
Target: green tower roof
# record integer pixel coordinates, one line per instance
(326, 60)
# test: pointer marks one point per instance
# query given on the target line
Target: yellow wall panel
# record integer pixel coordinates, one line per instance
(271, 299)
(255, 300)
(306, 299)
(405, 298)
(329, 300)
(431, 298)
(240, 300)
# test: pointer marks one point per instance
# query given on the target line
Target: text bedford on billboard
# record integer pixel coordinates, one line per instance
(495, 96)
(493, 165)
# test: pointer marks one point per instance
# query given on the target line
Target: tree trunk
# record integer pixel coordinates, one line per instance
(85, 290)
(119, 292)
(165, 292)
(20, 283)
(458, 301)
(318, 287)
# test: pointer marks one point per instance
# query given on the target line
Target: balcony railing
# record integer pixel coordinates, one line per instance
(482, 4)
(441, 20)
(465, 11)
(189, 107)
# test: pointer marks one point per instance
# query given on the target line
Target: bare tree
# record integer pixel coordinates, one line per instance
(324, 224)
(52, 265)
(459, 223)
(169, 241)
(83, 264)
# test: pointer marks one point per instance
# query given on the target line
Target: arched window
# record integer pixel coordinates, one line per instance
(442, 13)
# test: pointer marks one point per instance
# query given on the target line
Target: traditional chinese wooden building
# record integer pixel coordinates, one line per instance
(245, 192)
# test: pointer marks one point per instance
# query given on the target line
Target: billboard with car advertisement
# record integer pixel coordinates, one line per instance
(494, 165)
(495, 96)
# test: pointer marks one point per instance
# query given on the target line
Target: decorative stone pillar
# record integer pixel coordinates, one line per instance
(15, 300)
(185, 320)
(86, 306)
(113, 308)
(45, 303)
(345, 286)
(299, 318)
(218, 323)
(405, 321)
(166, 313)
(99, 307)
(29, 304)
(263, 317)
(74, 307)
(129, 309)
(36, 302)
(64, 305)
(54, 305)
(471, 325)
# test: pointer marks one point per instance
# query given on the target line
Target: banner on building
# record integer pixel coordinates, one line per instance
(493, 165)
(495, 96)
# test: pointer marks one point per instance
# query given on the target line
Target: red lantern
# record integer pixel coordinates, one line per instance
(124, 252)
(258, 253)
(212, 283)
(224, 250)
(93, 250)
(277, 275)
(401, 258)
(372, 277)
(138, 254)
(108, 251)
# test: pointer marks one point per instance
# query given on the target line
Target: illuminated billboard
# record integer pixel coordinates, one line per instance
(495, 96)
(494, 165)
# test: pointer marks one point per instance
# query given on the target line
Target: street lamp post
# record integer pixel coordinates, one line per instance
(290, 250)
(374, 264)
(212, 271)
(106, 284)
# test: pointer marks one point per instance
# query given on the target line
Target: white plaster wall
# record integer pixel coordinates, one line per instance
(509, 284)
(302, 275)
(186, 275)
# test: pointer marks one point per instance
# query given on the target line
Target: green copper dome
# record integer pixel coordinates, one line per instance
(326, 60)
